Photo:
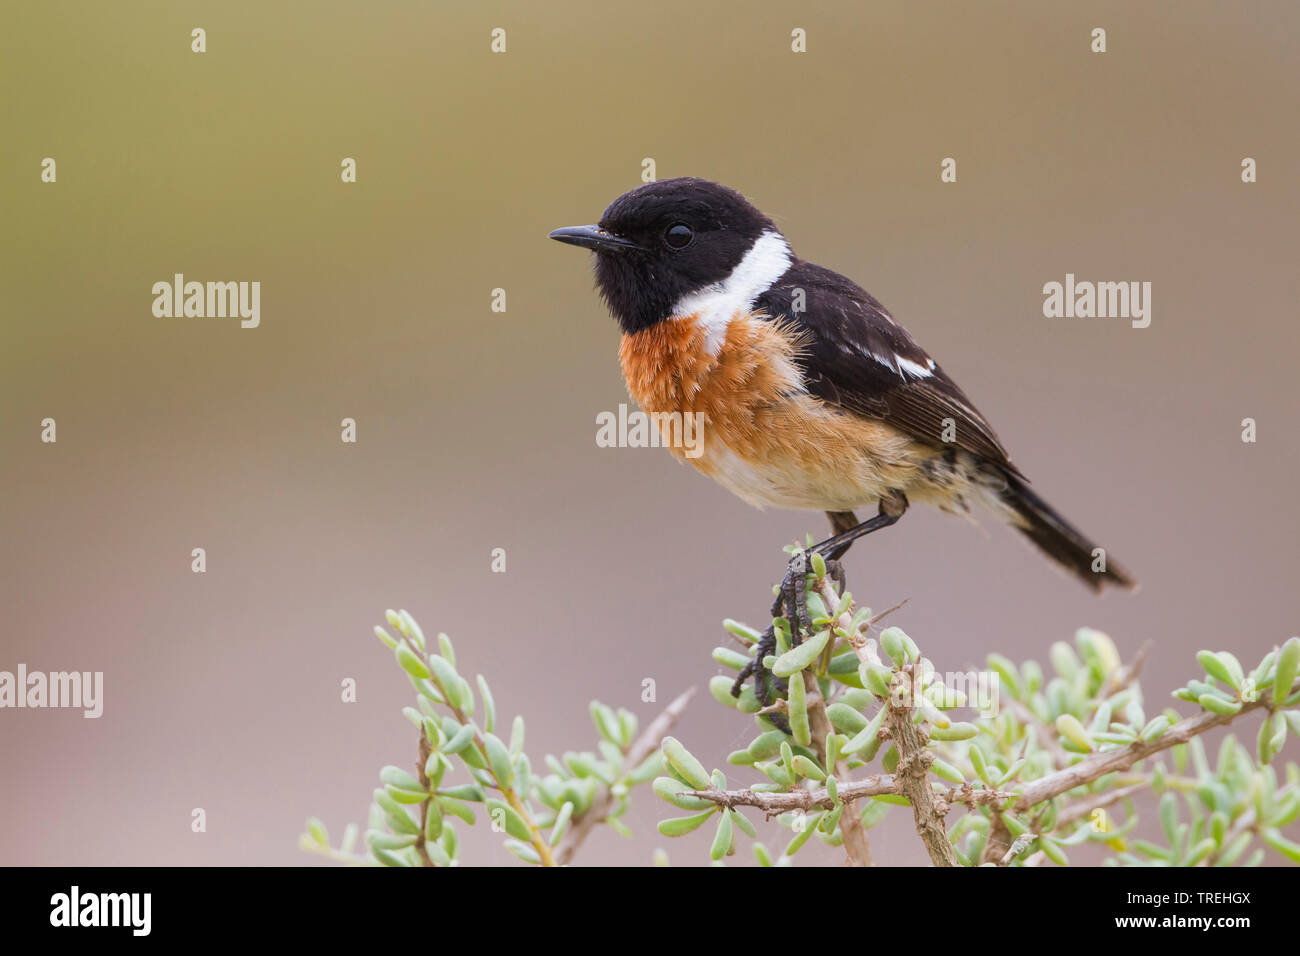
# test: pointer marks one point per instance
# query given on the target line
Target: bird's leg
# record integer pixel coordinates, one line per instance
(847, 529)
(792, 594)
(841, 521)
(892, 506)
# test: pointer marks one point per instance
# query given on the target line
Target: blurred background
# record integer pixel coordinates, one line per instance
(476, 430)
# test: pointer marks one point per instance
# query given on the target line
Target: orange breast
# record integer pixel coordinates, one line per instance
(762, 435)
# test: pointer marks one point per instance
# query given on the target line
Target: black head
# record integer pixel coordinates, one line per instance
(663, 241)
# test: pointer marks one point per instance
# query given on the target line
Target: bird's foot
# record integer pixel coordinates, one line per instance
(835, 571)
(792, 597)
(768, 688)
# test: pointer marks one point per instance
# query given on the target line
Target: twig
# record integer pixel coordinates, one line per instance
(912, 775)
(1127, 674)
(540, 846)
(855, 834)
(420, 848)
(1048, 738)
(1085, 808)
(1112, 761)
(914, 772)
(645, 744)
(820, 799)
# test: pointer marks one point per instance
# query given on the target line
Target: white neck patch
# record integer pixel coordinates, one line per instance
(714, 306)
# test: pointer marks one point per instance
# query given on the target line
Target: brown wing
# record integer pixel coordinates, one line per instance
(855, 356)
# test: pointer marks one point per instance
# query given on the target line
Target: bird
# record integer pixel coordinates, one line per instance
(810, 394)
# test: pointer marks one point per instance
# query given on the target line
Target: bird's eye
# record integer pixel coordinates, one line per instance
(679, 236)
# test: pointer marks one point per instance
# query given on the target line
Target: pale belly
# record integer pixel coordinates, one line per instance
(800, 454)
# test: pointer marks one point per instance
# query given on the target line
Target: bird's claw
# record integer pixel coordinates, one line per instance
(792, 597)
(791, 604)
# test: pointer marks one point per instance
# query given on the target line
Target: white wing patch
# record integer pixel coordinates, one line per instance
(902, 367)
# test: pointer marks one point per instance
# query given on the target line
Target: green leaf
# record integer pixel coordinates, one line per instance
(742, 824)
(499, 760)
(1234, 850)
(766, 745)
(457, 810)
(410, 662)
(445, 647)
(681, 760)
(433, 821)
(448, 680)
(1280, 843)
(1014, 825)
(1217, 705)
(845, 719)
(806, 768)
(410, 628)
(1169, 815)
(1288, 663)
(722, 838)
(524, 851)
(796, 659)
(1155, 727)
(673, 790)
(1007, 673)
(875, 677)
(399, 778)
(318, 832)
(489, 703)
(517, 737)
(797, 704)
(1216, 665)
(1011, 772)
(1064, 660)
(1052, 850)
(1200, 852)
(958, 731)
(867, 740)
(561, 822)
(730, 658)
(720, 688)
(809, 828)
(1068, 726)
(679, 826)
(1272, 737)
(947, 771)
(402, 822)
(742, 631)
(462, 738)
(505, 815)
(387, 858)
(892, 644)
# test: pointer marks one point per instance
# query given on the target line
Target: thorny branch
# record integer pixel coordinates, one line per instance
(930, 804)
(636, 754)
(855, 834)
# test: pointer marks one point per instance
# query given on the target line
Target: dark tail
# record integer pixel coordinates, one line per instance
(1060, 540)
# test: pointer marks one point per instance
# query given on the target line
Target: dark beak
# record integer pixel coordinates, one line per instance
(593, 238)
